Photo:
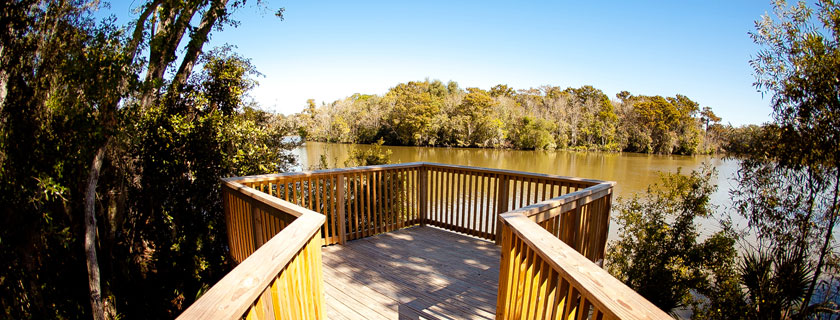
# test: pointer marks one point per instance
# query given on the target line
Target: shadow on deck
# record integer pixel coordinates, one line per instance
(413, 273)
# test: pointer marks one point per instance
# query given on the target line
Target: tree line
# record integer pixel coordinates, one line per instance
(433, 113)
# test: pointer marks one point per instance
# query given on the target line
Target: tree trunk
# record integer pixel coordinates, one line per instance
(4, 79)
(90, 236)
(832, 213)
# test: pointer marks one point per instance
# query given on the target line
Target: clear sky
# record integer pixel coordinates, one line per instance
(327, 50)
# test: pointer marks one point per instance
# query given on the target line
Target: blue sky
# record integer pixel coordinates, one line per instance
(327, 50)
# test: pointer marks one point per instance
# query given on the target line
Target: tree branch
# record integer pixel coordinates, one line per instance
(197, 41)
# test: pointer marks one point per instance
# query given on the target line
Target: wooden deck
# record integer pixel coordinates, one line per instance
(413, 273)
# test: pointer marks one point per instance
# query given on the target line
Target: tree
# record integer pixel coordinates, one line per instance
(474, 121)
(501, 90)
(658, 253)
(414, 106)
(533, 134)
(799, 65)
(97, 156)
(707, 116)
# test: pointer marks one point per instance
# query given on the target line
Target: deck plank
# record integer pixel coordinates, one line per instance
(412, 273)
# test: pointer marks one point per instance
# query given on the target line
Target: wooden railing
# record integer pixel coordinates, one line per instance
(469, 199)
(543, 273)
(279, 276)
(552, 229)
(580, 219)
(357, 202)
(364, 201)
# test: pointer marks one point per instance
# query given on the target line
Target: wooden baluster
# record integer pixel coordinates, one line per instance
(443, 196)
(480, 212)
(388, 193)
(402, 207)
(452, 201)
(396, 198)
(490, 208)
(368, 214)
(337, 208)
(377, 202)
(294, 192)
(473, 204)
(502, 191)
(356, 212)
(438, 190)
(310, 203)
(423, 186)
(461, 201)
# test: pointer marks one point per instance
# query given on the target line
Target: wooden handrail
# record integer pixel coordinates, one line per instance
(572, 286)
(544, 210)
(512, 173)
(326, 172)
(477, 195)
(232, 296)
(374, 168)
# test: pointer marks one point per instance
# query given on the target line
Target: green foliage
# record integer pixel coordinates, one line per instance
(71, 85)
(225, 79)
(473, 123)
(534, 134)
(658, 253)
(414, 104)
(789, 179)
(373, 155)
(775, 283)
(429, 113)
(664, 125)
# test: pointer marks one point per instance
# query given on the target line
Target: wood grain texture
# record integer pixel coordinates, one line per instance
(585, 287)
(238, 291)
(414, 273)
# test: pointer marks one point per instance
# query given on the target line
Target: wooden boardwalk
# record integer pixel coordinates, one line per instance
(413, 273)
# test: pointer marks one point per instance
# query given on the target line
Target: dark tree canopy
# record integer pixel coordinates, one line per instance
(109, 165)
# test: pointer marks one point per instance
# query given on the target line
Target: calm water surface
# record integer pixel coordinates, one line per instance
(632, 172)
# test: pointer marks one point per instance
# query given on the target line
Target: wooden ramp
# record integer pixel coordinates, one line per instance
(413, 273)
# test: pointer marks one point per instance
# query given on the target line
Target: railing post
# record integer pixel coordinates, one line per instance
(502, 196)
(576, 236)
(605, 227)
(342, 220)
(256, 226)
(502, 298)
(424, 191)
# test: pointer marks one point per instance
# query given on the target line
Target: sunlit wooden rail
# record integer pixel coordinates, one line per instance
(283, 278)
(538, 219)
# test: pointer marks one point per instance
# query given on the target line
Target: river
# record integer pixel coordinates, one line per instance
(633, 172)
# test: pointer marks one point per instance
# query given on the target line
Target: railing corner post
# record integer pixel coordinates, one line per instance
(256, 227)
(424, 191)
(605, 227)
(342, 221)
(502, 196)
